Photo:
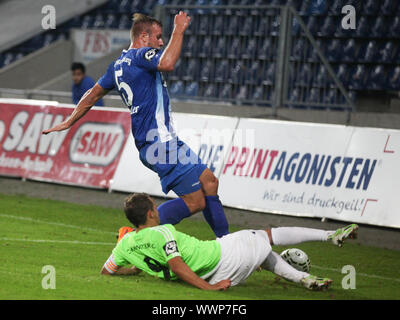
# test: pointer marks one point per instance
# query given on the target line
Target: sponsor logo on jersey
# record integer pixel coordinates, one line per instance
(170, 247)
(149, 55)
(96, 143)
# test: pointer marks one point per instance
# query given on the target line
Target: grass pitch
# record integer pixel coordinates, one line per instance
(77, 239)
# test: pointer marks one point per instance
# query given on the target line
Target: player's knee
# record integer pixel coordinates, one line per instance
(196, 205)
(200, 204)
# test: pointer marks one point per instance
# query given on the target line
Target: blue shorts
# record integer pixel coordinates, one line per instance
(178, 167)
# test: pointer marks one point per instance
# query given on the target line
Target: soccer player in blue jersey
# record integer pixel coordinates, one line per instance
(137, 76)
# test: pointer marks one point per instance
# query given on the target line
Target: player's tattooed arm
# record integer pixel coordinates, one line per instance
(87, 101)
(172, 52)
(182, 270)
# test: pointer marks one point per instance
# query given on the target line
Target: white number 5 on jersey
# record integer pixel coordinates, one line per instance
(123, 87)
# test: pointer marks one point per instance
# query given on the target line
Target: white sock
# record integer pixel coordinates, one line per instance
(292, 235)
(280, 267)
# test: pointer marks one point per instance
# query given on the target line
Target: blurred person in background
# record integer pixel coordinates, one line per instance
(82, 83)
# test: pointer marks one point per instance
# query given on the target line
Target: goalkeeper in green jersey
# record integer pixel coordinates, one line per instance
(161, 251)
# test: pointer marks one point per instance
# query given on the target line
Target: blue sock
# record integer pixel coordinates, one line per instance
(215, 216)
(173, 211)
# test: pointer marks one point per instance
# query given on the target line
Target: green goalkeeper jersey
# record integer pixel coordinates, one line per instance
(150, 249)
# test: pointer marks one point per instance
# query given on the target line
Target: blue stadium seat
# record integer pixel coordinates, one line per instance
(335, 9)
(389, 7)
(112, 6)
(263, 27)
(111, 21)
(222, 71)
(269, 75)
(387, 53)
(321, 77)
(358, 78)
(219, 50)
(357, 4)
(295, 95)
(258, 94)
(98, 21)
(379, 28)
(124, 6)
(206, 70)
(210, 91)
(190, 47)
(305, 8)
(313, 55)
(363, 29)
(251, 49)
(192, 89)
(87, 22)
(225, 92)
(295, 4)
(266, 51)
(329, 27)
(242, 94)
(371, 7)
(394, 29)
(305, 75)
(203, 25)
(300, 49)
(349, 51)
(252, 75)
(231, 27)
(331, 96)
(177, 88)
(275, 26)
(234, 48)
(191, 72)
(393, 81)
(237, 73)
(334, 50)
(204, 50)
(313, 24)
(368, 52)
(318, 7)
(125, 22)
(314, 95)
(377, 78)
(218, 25)
(8, 58)
(49, 38)
(148, 7)
(342, 74)
(177, 72)
(246, 28)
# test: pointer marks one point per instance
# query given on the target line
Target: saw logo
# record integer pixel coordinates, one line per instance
(24, 134)
(96, 143)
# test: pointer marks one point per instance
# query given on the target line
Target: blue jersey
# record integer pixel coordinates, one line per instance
(142, 88)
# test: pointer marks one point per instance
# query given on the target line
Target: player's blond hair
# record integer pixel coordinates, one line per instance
(141, 23)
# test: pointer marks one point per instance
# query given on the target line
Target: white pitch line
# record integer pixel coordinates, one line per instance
(358, 274)
(56, 224)
(59, 241)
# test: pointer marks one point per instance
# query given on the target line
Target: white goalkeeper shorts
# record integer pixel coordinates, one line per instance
(242, 252)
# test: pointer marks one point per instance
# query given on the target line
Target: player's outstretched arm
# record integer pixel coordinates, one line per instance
(121, 271)
(87, 101)
(173, 50)
(182, 270)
